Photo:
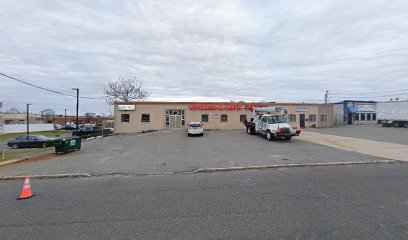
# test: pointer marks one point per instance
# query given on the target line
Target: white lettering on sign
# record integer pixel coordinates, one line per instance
(365, 108)
(72, 142)
(126, 107)
(213, 117)
(302, 109)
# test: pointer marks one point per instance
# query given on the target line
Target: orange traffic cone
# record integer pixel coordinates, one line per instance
(26, 192)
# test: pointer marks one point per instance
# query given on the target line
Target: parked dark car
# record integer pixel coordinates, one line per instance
(87, 131)
(31, 141)
(69, 127)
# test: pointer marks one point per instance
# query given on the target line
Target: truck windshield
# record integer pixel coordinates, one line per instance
(276, 119)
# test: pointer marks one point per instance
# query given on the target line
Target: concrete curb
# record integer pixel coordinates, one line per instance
(29, 157)
(48, 176)
(202, 170)
(11, 162)
(207, 170)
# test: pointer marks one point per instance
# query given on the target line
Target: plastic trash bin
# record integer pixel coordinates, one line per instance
(66, 145)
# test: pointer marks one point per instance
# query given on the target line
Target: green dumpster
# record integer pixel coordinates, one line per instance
(66, 145)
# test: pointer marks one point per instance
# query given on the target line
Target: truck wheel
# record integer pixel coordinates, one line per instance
(384, 124)
(269, 136)
(249, 130)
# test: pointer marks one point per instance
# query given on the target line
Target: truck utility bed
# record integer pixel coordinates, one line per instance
(270, 122)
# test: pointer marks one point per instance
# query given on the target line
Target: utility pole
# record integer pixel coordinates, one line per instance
(28, 119)
(326, 96)
(77, 108)
(65, 117)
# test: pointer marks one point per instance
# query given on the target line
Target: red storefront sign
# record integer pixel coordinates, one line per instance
(221, 107)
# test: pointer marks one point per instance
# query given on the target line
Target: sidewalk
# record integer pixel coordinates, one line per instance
(374, 148)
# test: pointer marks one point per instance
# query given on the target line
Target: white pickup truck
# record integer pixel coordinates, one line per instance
(271, 122)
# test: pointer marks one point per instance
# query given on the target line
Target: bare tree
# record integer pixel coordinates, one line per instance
(48, 112)
(125, 90)
(89, 116)
(13, 110)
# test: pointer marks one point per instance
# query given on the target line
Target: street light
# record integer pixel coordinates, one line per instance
(65, 117)
(77, 108)
(28, 120)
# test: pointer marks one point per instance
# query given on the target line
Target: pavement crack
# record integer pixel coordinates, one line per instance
(380, 226)
(133, 219)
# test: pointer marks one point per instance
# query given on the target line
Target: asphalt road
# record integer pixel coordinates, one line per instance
(370, 132)
(342, 202)
(167, 152)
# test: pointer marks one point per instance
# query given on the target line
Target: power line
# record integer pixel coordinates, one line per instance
(42, 88)
(399, 90)
(391, 95)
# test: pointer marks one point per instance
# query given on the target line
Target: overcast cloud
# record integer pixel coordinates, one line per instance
(290, 51)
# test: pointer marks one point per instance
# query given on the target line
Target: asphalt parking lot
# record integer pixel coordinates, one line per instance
(167, 152)
(370, 132)
(342, 202)
(139, 189)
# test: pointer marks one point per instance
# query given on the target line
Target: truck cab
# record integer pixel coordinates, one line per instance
(271, 122)
(275, 124)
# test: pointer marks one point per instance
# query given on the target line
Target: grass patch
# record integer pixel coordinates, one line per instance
(19, 153)
(8, 136)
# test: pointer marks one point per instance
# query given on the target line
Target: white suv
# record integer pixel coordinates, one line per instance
(195, 128)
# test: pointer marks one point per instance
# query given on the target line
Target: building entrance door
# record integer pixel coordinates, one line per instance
(349, 118)
(175, 121)
(302, 120)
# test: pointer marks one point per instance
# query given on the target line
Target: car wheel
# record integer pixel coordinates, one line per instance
(396, 124)
(44, 145)
(288, 137)
(202, 134)
(14, 146)
(269, 135)
(188, 134)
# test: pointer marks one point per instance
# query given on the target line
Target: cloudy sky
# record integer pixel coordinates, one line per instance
(291, 51)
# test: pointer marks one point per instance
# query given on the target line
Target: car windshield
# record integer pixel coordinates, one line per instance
(40, 137)
(276, 119)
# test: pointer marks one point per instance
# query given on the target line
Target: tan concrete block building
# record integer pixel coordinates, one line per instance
(133, 117)
(16, 118)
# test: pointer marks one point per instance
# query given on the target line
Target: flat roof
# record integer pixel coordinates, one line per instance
(356, 101)
(274, 103)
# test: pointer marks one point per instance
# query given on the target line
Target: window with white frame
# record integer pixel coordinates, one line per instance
(323, 118)
(292, 117)
(145, 118)
(125, 118)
